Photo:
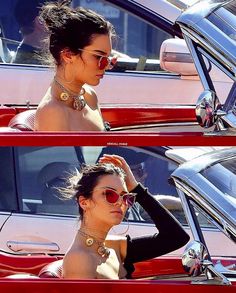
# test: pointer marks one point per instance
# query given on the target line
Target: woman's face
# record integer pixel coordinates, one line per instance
(86, 64)
(109, 214)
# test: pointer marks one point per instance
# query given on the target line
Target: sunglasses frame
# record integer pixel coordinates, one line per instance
(110, 61)
(126, 194)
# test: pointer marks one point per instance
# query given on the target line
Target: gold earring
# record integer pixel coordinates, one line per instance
(64, 75)
(126, 230)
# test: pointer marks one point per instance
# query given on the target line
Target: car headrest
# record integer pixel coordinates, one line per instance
(52, 270)
(23, 121)
(55, 170)
(53, 178)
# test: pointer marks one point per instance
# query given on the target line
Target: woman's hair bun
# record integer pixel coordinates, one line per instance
(54, 14)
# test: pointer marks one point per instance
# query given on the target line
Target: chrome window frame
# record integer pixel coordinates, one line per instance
(191, 184)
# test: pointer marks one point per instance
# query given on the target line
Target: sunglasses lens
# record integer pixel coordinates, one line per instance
(103, 63)
(111, 196)
(129, 199)
(113, 62)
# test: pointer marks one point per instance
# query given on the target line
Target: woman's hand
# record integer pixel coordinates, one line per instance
(118, 161)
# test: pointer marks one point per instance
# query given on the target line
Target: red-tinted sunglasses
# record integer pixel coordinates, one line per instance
(103, 62)
(113, 197)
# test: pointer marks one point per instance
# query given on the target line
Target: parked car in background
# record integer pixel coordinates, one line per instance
(206, 186)
(204, 34)
(138, 78)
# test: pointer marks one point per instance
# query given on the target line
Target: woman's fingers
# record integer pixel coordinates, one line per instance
(114, 159)
(121, 162)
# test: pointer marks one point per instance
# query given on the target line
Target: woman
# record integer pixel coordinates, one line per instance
(80, 43)
(104, 192)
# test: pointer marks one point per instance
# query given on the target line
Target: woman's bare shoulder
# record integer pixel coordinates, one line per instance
(49, 117)
(79, 265)
(48, 104)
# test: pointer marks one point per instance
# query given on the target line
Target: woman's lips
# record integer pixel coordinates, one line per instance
(117, 212)
(99, 75)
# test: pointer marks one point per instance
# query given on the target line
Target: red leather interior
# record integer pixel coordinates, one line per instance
(23, 121)
(52, 270)
(11, 264)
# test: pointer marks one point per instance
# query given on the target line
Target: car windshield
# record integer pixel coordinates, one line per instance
(223, 176)
(225, 19)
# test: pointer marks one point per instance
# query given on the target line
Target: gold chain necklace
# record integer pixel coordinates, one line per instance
(90, 240)
(79, 101)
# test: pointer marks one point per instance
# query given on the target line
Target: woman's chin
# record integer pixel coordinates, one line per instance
(117, 220)
(93, 82)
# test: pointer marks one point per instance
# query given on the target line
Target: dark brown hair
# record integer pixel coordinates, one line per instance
(72, 28)
(83, 183)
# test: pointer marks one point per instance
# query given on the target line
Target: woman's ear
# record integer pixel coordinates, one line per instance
(83, 202)
(67, 55)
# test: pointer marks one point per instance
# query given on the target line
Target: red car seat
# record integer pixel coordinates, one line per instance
(23, 121)
(52, 270)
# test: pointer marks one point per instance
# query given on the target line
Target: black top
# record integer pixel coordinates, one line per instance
(171, 235)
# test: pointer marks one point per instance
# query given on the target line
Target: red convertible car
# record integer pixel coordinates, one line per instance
(206, 185)
(215, 65)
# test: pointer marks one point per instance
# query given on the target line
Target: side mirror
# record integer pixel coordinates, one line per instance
(206, 109)
(175, 57)
(195, 261)
(195, 258)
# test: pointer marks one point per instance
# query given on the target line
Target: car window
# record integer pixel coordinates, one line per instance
(39, 170)
(223, 176)
(207, 224)
(225, 20)
(217, 77)
(137, 44)
(8, 200)
(42, 171)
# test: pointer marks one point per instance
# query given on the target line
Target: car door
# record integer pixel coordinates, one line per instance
(31, 226)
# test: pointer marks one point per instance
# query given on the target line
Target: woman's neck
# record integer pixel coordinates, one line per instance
(71, 98)
(72, 86)
(94, 242)
(94, 232)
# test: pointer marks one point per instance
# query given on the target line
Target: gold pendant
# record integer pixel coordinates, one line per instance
(89, 241)
(64, 96)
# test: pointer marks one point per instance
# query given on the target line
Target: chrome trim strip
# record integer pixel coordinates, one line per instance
(197, 62)
(177, 57)
(187, 211)
(155, 126)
